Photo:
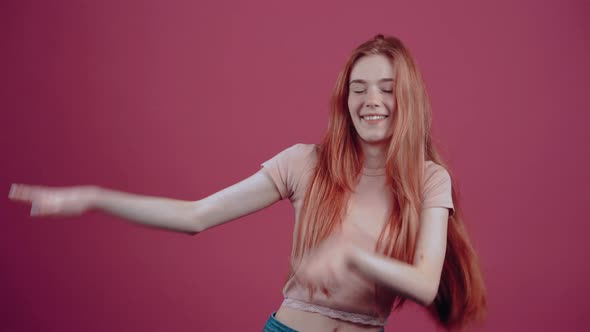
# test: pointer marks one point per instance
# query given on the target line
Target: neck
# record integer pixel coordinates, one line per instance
(375, 155)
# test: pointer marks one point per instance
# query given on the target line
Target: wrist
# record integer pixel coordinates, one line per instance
(353, 257)
(92, 196)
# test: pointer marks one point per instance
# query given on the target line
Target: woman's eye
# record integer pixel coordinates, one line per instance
(387, 91)
(359, 91)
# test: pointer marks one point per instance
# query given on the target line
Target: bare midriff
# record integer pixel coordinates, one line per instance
(304, 321)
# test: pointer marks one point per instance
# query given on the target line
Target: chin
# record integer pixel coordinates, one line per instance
(376, 140)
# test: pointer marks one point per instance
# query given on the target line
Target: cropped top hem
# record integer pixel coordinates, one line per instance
(333, 313)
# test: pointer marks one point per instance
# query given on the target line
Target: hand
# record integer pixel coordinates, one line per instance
(51, 201)
(326, 267)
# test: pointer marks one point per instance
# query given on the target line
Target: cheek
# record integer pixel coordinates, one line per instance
(351, 109)
(391, 103)
(353, 104)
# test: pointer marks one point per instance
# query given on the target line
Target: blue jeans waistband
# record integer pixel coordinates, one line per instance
(273, 325)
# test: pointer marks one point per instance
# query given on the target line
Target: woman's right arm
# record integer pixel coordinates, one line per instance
(250, 195)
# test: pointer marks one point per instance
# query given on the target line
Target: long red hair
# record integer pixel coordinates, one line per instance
(461, 296)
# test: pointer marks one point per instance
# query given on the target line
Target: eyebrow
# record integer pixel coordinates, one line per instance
(364, 82)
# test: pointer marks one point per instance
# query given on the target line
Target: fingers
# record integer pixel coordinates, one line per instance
(314, 288)
(321, 287)
(319, 276)
(330, 288)
(22, 192)
(310, 291)
(45, 205)
(324, 284)
(35, 209)
(40, 207)
(42, 201)
(306, 282)
(13, 193)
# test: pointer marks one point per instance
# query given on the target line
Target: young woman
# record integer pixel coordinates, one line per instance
(377, 217)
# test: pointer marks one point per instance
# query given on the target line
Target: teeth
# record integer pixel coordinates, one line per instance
(374, 117)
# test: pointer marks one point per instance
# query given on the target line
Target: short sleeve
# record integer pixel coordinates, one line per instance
(286, 168)
(437, 188)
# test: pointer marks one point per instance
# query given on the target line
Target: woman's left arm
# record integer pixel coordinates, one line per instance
(418, 282)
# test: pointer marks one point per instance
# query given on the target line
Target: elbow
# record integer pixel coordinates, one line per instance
(192, 229)
(427, 285)
(194, 218)
(431, 291)
(427, 300)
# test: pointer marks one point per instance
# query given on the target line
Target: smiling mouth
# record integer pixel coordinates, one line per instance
(373, 117)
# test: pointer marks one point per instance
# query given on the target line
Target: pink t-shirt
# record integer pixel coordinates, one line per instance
(368, 209)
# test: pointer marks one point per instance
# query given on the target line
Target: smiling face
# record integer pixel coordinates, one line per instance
(371, 101)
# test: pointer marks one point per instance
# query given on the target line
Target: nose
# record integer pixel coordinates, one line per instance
(373, 99)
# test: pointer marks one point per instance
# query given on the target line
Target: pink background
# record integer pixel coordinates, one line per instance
(181, 99)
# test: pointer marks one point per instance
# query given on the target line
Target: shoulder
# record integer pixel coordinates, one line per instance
(304, 149)
(437, 187)
(434, 171)
(292, 166)
(436, 177)
(301, 154)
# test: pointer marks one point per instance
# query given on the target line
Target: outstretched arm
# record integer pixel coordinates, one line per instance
(252, 194)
